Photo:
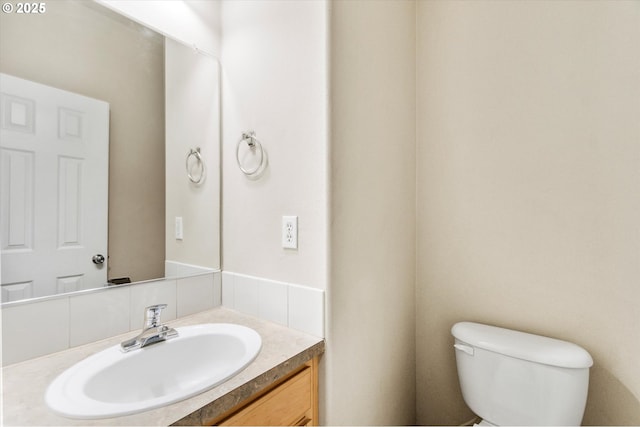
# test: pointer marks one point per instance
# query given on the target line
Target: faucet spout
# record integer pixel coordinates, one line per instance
(153, 331)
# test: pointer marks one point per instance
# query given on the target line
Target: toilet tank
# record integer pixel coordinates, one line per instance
(514, 378)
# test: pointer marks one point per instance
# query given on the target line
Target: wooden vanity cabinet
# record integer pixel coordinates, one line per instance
(290, 401)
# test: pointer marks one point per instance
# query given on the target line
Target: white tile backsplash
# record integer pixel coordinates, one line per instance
(195, 294)
(91, 316)
(35, 328)
(27, 330)
(228, 289)
(217, 290)
(306, 309)
(273, 300)
(295, 306)
(96, 316)
(246, 295)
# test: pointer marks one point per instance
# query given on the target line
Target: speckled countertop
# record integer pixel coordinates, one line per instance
(283, 350)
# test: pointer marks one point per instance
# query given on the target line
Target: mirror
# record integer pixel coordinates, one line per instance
(163, 106)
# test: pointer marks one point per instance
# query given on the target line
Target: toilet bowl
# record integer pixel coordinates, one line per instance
(509, 377)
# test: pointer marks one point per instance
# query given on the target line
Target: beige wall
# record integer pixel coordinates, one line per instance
(528, 199)
(55, 49)
(274, 61)
(192, 121)
(369, 372)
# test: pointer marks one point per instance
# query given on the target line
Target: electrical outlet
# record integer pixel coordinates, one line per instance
(290, 232)
(178, 230)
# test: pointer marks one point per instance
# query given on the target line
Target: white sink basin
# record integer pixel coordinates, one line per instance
(112, 383)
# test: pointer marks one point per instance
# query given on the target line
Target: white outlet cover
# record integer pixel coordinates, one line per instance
(290, 232)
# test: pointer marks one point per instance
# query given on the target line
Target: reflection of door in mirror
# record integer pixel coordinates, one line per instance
(81, 47)
(54, 148)
(84, 48)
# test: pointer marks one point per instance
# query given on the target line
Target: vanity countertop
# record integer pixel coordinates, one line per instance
(283, 349)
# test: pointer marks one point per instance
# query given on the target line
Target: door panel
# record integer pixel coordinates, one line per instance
(54, 189)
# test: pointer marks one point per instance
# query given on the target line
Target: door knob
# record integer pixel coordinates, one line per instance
(98, 259)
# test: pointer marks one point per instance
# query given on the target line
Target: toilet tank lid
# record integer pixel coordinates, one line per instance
(521, 345)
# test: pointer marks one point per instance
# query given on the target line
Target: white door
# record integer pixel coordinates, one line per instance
(54, 161)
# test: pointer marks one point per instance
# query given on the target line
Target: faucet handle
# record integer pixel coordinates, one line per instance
(152, 315)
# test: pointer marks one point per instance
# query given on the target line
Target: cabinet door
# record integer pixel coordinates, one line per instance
(288, 404)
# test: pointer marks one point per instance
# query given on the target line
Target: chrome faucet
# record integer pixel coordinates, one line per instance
(152, 332)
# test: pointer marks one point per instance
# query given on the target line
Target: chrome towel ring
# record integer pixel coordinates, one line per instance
(196, 153)
(254, 146)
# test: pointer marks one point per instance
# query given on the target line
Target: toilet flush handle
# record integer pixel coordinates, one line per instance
(466, 348)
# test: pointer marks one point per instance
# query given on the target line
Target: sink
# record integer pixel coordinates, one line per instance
(112, 383)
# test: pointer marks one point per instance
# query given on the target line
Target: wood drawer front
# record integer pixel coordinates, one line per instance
(288, 404)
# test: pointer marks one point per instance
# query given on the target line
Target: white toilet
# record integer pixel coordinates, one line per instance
(514, 378)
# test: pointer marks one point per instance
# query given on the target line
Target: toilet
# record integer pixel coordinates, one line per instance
(509, 377)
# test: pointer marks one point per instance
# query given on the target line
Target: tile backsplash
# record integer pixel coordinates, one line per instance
(36, 328)
(295, 306)
(33, 329)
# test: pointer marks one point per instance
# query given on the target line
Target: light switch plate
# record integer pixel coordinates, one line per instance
(179, 232)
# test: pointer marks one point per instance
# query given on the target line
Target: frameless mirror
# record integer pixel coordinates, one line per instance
(109, 153)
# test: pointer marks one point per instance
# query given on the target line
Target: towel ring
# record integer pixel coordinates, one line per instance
(254, 145)
(195, 153)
